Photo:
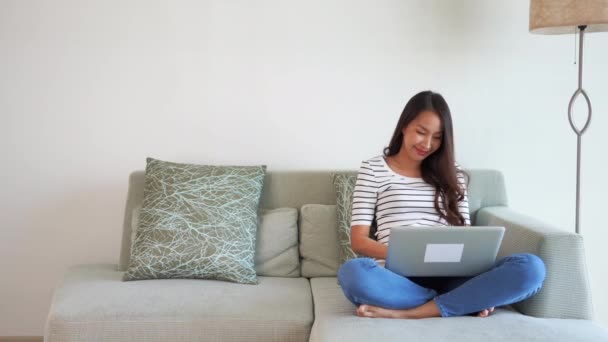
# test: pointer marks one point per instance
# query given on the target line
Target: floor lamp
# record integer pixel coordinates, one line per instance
(566, 17)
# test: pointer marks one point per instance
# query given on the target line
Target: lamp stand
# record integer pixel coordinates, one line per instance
(579, 132)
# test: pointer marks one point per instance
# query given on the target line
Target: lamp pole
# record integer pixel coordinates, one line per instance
(579, 132)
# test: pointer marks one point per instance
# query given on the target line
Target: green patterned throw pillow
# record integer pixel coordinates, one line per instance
(197, 221)
(344, 184)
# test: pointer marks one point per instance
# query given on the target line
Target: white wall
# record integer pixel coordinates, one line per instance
(88, 89)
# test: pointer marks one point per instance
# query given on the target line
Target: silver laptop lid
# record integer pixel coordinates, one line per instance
(443, 251)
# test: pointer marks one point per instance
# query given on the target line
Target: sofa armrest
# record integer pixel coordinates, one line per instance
(565, 292)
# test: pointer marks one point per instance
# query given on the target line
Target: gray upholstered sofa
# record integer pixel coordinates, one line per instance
(93, 304)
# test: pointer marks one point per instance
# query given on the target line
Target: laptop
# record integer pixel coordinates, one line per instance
(446, 251)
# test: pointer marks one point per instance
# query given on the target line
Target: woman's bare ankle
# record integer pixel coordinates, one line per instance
(426, 310)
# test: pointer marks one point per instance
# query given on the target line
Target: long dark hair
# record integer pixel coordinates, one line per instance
(439, 168)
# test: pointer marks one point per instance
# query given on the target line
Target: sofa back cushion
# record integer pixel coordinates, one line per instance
(276, 250)
(319, 240)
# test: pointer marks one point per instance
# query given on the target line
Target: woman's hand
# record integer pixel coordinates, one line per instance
(363, 245)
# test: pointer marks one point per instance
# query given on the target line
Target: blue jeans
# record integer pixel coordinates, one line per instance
(512, 279)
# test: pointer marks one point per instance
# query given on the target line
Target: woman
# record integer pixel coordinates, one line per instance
(417, 182)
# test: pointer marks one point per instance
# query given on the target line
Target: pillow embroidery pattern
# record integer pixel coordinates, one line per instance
(197, 222)
(344, 185)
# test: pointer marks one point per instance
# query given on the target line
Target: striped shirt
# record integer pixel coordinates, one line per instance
(397, 200)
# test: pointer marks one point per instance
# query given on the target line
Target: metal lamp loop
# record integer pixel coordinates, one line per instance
(578, 131)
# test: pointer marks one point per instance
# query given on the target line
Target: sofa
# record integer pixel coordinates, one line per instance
(93, 303)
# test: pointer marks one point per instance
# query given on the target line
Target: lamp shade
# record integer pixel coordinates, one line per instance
(563, 16)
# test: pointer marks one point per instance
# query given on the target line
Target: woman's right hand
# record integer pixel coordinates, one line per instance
(362, 244)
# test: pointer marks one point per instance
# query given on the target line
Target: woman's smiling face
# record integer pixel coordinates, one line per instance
(422, 136)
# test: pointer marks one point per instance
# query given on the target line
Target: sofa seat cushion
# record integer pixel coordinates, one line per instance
(336, 320)
(94, 304)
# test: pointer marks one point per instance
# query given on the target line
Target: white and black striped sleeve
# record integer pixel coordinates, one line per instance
(365, 196)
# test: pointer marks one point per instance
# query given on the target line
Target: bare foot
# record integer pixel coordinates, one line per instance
(486, 312)
(426, 310)
(377, 312)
